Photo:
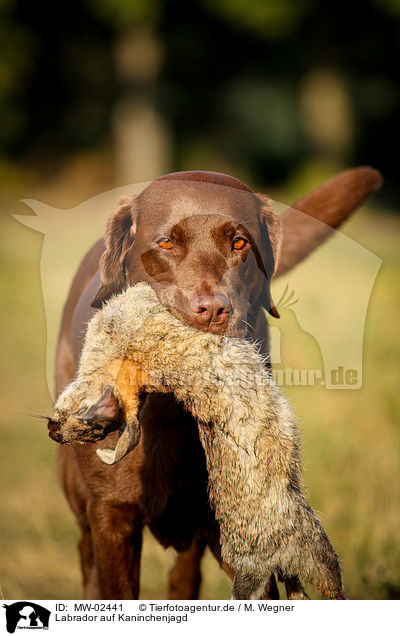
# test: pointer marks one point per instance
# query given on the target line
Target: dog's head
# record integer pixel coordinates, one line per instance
(209, 246)
(204, 241)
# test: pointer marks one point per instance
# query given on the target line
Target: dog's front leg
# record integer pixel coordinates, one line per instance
(185, 576)
(117, 542)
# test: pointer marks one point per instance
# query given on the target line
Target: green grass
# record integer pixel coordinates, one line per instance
(351, 440)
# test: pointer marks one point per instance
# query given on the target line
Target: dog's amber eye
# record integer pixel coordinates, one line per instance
(239, 243)
(165, 243)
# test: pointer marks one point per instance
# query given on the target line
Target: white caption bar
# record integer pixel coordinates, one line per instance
(200, 617)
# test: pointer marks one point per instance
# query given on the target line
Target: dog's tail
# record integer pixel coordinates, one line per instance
(311, 219)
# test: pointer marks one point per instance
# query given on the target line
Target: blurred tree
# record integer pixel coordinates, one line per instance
(17, 44)
(62, 80)
(141, 139)
(258, 87)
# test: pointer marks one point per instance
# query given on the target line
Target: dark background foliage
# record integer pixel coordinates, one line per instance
(230, 76)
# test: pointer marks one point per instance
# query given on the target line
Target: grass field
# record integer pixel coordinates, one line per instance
(351, 439)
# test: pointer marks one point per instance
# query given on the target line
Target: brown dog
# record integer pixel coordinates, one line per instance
(209, 247)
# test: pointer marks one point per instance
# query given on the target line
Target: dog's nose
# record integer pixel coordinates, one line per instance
(210, 312)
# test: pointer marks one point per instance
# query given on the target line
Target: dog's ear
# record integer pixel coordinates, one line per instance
(311, 219)
(271, 239)
(119, 238)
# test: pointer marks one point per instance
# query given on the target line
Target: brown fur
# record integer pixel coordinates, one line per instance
(164, 482)
(246, 428)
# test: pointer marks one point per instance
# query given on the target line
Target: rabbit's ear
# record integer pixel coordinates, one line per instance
(128, 439)
(106, 409)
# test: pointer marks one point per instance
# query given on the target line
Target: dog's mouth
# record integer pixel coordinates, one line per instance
(224, 324)
(215, 328)
(230, 327)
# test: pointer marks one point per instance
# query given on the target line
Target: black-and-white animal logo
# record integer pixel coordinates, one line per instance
(26, 615)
